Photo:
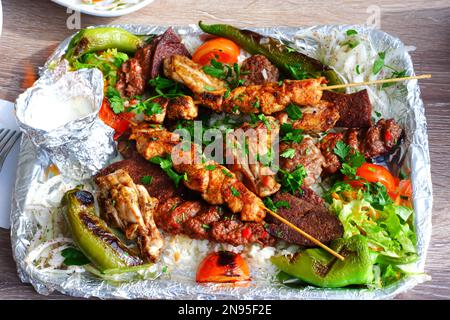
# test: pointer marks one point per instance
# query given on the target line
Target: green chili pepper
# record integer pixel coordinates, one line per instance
(291, 62)
(99, 39)
(92, 235)
(318, 267)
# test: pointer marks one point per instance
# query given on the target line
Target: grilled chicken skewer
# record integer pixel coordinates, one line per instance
(216, 184)
(267, 98)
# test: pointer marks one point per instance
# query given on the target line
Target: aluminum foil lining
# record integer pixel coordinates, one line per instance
(78, 148)
(33, 180)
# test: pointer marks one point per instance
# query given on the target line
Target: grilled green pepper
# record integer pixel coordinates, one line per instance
(291, 62)
(92, 235)
(318, 267)
(99, 39)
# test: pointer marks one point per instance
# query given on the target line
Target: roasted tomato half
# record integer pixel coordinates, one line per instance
(119, 122)
(221, 49)
(370, 172)
(223, 266)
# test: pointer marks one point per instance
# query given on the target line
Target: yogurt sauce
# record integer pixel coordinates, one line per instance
(48, 112)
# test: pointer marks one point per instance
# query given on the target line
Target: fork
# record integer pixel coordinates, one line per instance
(7, 139)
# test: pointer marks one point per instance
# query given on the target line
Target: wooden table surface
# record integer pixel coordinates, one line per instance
(31, 29)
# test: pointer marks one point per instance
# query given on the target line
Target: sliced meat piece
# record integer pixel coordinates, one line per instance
(153, 141)
(306, 154)
(183, 70)
(168, 44)
(258, 69)
(158, 118)
(245, 146)
(381, 138)
(355, 109)
(144, 56)
(319, 118)
(326, 146)
(172, 219)
(312, 218)
(198, 227)
(182, 108)
(131, 81)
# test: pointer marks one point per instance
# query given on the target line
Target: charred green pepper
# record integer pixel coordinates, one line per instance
(318, 267)
(291, 62)
(92, 235)
(99, 39)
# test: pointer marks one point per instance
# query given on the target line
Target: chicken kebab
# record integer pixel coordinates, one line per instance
(287, 134)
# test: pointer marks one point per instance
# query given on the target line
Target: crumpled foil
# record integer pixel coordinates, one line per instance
(413, 154)
(79, 148)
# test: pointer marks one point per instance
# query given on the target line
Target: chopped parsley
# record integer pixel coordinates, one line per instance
(228, 174)
(210, 167)
(166, 165)
(288, 133)
(235, 192)
(395, 75)
(292, 181)
(288, 153)
(74, 257)
(357, 69)
(268, 202)
(146, 180)
(379, 62)
(351, 32)
(294, 112)
(351, 159)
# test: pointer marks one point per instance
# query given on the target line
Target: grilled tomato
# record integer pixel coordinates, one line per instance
(221, 49)
(223, 266)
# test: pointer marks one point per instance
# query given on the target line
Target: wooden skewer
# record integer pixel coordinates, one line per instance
(304, 234)
(366, 83)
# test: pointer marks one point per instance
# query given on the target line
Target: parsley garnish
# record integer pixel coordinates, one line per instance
(275, 205)
(351, 32)
(357, 69)
(234, 191)
(351, 158)
(379, 63)
(395, 75)
(210, 167)
(294, 112)
(288, 153)
(146, 180)
(288, 133)
(166, 165)
(74, 257)
(228, 174)
(292, 181)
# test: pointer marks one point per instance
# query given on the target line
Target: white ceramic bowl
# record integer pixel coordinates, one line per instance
(97, 11)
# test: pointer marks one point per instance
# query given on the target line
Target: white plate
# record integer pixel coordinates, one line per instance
(97, 10)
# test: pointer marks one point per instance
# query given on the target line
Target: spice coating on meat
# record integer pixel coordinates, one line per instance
(183, 70)
(131, 80)
(306, 154)
(355, 109)
(375, 141)
(308, 215)
(257, 69)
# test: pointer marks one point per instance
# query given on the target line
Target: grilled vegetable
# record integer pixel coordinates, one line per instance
(221, 49)
(319, 268)
(92, 235)
(99, 39)
(223, 266)
(295, 64)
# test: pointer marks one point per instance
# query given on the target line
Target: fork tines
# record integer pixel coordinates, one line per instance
(7, 139)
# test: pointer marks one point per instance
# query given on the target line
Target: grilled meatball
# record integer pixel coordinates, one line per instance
(258, 69)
